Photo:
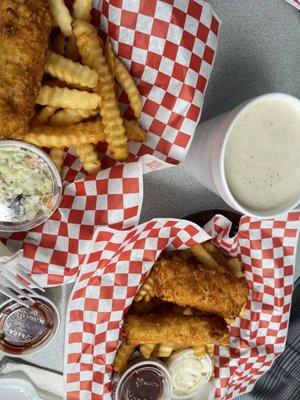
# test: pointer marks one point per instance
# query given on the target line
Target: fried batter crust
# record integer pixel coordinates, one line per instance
(24, 30)
(181, 330)
(206, 289)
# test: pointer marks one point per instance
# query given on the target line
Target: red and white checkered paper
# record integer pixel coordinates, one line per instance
(119, 261)
(169, 48)
(116, 262)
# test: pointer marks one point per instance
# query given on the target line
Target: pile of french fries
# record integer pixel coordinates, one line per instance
(77, 103)
(144, 303)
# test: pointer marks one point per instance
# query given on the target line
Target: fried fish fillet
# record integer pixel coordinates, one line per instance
(24, 30)
(179, 330)
(210, 290)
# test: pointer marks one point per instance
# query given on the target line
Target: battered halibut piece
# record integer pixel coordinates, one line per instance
(24, 30)
(179, 330)
(207, 289)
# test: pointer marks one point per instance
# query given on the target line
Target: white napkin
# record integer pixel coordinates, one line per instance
(42, 380)
(4, 251)
(295, 3)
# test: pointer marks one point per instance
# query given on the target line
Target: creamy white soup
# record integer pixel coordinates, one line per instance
(262, 156)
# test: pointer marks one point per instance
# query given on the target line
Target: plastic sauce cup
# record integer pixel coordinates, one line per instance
(188, 373)
(144, 379)
(12, 199)
(25, 331)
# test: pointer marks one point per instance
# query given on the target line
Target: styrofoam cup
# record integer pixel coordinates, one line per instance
(205, 159)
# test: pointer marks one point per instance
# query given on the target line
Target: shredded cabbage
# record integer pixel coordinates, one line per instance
(25, 186)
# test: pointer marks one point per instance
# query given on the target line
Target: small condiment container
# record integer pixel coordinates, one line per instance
(143, 379)
(25, 331)
(188, 373)
(30, 186)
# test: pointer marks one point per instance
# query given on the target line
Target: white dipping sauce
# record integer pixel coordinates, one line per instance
(188, 372)
(262, 156)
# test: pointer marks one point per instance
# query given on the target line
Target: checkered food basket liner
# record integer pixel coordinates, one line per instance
(119, 261)
(169, 48)
(92, 237)
(116, 262)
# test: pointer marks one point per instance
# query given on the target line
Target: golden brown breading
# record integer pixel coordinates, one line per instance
(24, 30)
(206, 289)
(181, 330)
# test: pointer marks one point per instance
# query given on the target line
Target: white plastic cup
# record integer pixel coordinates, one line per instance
(205, 159)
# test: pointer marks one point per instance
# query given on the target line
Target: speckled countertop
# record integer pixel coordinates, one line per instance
(257, 54)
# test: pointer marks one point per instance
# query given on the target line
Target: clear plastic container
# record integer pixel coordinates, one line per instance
(188, 373)
(26, 331)
(30, 186)
(143, 379)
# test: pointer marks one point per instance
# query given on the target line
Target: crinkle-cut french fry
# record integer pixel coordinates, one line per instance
(89, 158)
(59, 44)
(157, 350)
(199, 350)
(127, 83)
(69, 71)
(57, 155)
(235, 267)
(188, 311)
(82, 9)
(43, 116)
(216, 253)
(71, 50)
(146, 292)
(203, 256)
(147, 349)
(91, 53)
(66, 136)
(138, 134)
(165, 350)
(67, 98)
(90, 132)
(68, 116)
(185, 254)
(229, 321)
(56, 82)
(210, 348)
(124, 352)
(176, 309)
(61, 16)
(109, 57)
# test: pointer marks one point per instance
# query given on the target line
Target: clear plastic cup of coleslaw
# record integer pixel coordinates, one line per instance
(30, 186)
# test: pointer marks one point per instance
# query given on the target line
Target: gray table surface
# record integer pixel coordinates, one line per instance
(257, 54)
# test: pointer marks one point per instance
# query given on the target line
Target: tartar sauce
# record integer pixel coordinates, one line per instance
(188, 372)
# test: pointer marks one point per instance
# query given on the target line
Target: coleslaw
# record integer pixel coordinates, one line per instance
(26, 186)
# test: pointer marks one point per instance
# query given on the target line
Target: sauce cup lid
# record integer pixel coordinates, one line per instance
(25, 331)
(147, 379)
